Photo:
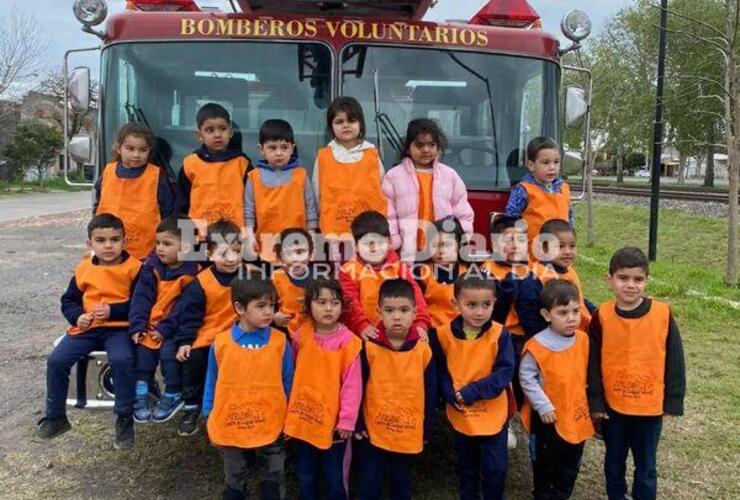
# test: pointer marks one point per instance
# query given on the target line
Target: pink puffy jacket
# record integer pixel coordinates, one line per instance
(401, 187)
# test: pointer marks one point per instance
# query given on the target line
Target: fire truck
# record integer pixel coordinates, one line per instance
(493, 82)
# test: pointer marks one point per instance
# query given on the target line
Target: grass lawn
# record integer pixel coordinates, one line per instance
(55, 184)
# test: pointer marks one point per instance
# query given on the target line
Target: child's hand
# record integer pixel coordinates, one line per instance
(344, 435)
(459, 401)
(598, 421)
(137, 336)
(423, 335)
(549, 418)
(84, 321)
(156, 336)
(183, 353)
(370, 332)
(361, 435)
(101, 311)
(282, 319)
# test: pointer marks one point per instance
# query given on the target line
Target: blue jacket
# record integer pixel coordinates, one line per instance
(518, 198)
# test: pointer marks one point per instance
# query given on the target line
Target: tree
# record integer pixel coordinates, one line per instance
(21, 50)
(53, 85)
(35, 146)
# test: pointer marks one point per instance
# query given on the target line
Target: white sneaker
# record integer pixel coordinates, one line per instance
(511, 442)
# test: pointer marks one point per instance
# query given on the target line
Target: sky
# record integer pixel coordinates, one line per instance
(62, 31)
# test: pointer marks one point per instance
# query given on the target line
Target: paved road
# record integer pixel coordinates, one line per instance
(21, 206)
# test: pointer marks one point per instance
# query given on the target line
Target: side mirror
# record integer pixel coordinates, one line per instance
(80, 148)
(78, 89)
(576, 106)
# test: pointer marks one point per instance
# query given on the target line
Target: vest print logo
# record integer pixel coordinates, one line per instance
(245, 416)
(397, 417)
(581, 411)
(218, 211)
(307, 408)
(348, 210)
(633, 385)
(474, 410)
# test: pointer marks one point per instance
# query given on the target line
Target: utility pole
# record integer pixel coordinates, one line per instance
(658, 137)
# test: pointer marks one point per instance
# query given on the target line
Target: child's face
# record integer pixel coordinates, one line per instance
(277, 153)
(226, 258)
(628, 284)
(567, 251)
(108, 244)
(168, 248)
(296, 257)
(134, 151)
(257, 314)
(511, 244)
(346, 132)
(373, 248)
(215, 134)
(397, 315)
(563, 319)
(424, 150)
(546, 168)
(475, 306)
(446, 252)
(326, 309)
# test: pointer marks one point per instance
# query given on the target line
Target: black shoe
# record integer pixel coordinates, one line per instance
(124, 432)
(270, 490)
(189, 422)
(48, 428)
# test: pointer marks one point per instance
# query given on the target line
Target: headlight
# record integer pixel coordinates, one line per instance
(576, 25)
(90, 12)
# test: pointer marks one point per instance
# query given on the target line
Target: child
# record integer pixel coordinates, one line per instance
(327, 392)
(362, 277)
(134, 190)
(421, 189)
(636, 374)
(295, 250)
(212, 179)
(152, 326)
(250, 373)
(475, 363)
(96, 305)
(204, 310)
(400, 396)
(278, 194)
(541, 195)
(553, 376)
(347, 173)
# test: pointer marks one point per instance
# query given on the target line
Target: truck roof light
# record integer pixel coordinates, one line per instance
(507, 13)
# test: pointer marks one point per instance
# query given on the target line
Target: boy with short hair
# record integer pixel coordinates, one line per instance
(636, 375)
(541, 195)
(96, 304)
(553, 376)
(250, 374)
(278, 194)
(399, 396)
(212, 178)
(475, 363)
(152, 325)
(361, 277)
(294, 249)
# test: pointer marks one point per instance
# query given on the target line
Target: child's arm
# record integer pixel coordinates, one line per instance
(423, 320)
(142, 301)
(183, 186)
(675, 372)
(312, 208)
(315, 179)
(595, 387)
(165, 196)
(528, 306)
(72, 303)
(518, 201)
(503, 370)
(96, 193)
(191, 307)
(461, 208)
(250, 214)
(589, 305)
(353, 316)
(350, 396)
(446, 389)
(209, 390)
(430, 399)
(360, 428)
(119, 311)
(392, 216)
(288, 367)
(531, 380)
(506, 291)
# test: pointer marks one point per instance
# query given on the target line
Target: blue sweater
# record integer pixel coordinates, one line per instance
(165, 196)
(518, 198)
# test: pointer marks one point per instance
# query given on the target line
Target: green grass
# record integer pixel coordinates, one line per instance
(55, 184)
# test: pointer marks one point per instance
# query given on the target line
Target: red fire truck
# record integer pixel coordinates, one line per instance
(492, 82)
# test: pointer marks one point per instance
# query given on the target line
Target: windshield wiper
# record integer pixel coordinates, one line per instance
(383, 123)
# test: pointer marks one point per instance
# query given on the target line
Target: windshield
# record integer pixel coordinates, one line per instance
(488, 105)
(166, 83)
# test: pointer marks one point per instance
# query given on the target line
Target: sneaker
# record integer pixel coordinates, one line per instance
(142, 413)
(124, 432)
(189, 423)
(511, 440)
(167, 407)
(48, 428)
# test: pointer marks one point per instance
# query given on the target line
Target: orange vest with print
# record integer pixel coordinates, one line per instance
(500, 271)
(468, 361)
(394, 397)
(368, 281)
(439, 297)
(543, 206)
(167, 293)
(346, 190)
(426, 206)
(313, 409)
(104, 285)
(633, 359)
(219, 315)
(249, 403)
(278, 208)
(291, 298)
(217, 190)
(134, 201)
(547, 273)
(564, 374)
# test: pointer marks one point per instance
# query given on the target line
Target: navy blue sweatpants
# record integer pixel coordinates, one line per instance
(482, 465)
(146, 364)
(311, 464)
(72, 348)
(376, 465)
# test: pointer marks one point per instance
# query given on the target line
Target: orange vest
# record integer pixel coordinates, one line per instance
(167, 293)
(439, 297)
(633, 359)
(104, 285)
(564, 374)
(134, 201)
(394, 397)
(278, 208)
(426, 205)
(346, 190)
(291, 298)
(546, 273)
(249, 402)
(314, 398)
(468, 361)
(543, 206)
(368, 281)
(219, 313)
(217, 190)
(500, 271)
